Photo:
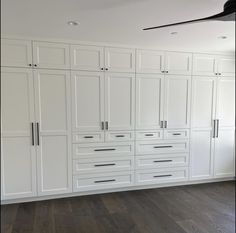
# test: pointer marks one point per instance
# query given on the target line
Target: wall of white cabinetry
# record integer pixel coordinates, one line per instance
(81, 118)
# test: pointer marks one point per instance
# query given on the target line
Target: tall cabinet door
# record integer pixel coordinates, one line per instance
(224, 142)
(18, 155)
(177, 101)
(202, 115)
(87, 101)
(119, 101)
(149, 101)
(52, 105)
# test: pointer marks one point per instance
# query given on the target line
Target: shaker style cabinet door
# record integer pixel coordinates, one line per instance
(178, 63)
(203, 114)
(87, 101)
(87, 58)
(226, 66)
(119, 101)
(204, 64)
(148, 61)
(120, 60)
(51, 55)
(16, 53)
(149, 101)
(18, 155)
(225, 136)
(52, 105)
(177, 101)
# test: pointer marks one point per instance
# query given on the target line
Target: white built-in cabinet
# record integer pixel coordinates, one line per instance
(36, 133)
(212, 127)
(213, 65)
(81, 118)
(94, 58)
(163, 62)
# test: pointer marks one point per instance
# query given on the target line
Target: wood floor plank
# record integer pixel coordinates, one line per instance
(205, 208)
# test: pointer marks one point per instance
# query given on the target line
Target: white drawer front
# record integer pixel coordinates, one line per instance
(105, 181)
(149, 135)
(88, 137)
(160, 161)
(176, 134)
(102, 165)
(159, 176)
(103, 149)
(119, 136)
(150, 147)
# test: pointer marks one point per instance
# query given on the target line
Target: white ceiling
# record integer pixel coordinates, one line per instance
(120, 22)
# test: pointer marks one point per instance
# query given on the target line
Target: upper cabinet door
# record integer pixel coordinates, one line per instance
(148, 61)
(225, 110)
(18, 156)
(226, 66)
(16, 53)
(120, 60)
(119, 101)
(52, 106)
(51, 55)
(203, 101)
(87, 101)
(88, 58)
(149, 101)
(204, 64)
(177, 101)
(178, 63)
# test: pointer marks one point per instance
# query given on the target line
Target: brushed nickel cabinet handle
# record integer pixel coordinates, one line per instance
(88, 136)
(162, 125)
(163, 161)
(165, 124)
(149, 135)
(217, 132)
(102, 125)
(162, 176)
(104, 165)
(104, 181)
(107, 125)
(120, 136)
(111, 149)
(214, 129)
(162, 146)
(37, 127)
(32, 133)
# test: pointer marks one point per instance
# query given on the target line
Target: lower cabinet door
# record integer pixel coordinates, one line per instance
(160, 176)
(224, 159)
(96, 181)
(202, 152)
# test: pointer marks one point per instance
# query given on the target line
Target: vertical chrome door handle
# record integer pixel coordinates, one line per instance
(37, 127)
(217, 132)
(102, 125)
(161, 125)
(32, 133)
(107, 125)
(165, 124)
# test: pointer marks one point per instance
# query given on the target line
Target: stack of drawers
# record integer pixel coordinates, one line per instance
(161, 158)
(103, 165)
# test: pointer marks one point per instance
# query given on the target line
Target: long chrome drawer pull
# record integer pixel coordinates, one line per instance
(104, 149)
(162, 161)
(32, 132)
(162, 146)
(102, 125)
(120, 136)
(37, 126)
(217, 132)
(103, 165)
(149, 135)
(107, 125)
(162, 176)
(88, 136)
(176, 134)
(104, 181)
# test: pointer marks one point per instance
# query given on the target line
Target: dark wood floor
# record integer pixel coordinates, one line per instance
(207, 208)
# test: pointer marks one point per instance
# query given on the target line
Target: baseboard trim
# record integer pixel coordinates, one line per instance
(124, 189)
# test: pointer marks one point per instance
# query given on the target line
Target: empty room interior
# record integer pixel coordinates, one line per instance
(118, 116)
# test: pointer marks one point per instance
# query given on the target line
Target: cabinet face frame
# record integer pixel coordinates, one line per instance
(18, 135)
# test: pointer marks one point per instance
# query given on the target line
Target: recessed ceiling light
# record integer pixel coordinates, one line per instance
(73, 23)
(174, 33)
(222, 37)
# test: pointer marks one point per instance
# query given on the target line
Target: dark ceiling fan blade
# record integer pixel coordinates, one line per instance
(213, 17)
